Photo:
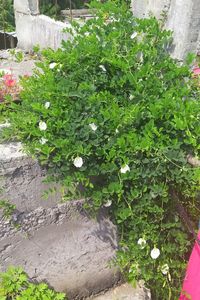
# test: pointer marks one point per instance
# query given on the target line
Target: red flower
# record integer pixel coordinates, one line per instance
(9, 81)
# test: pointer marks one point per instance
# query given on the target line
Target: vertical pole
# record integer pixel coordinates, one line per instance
(70, 7)
(4, 24)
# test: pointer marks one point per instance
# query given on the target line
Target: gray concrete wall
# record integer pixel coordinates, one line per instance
(34, 29)
(55, 242)
(143, 8)
(182, 17)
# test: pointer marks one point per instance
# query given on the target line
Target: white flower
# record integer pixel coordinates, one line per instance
(113, 19)
(47, 105)
(155, 252)
(142, 242)
(43, 141)
(87, 33)
(116, 130)
(125, 169)
(131, 97)
(93, 126)
(102, 68)
(108, 203)
(42, 125)
(165, 269)
(133, 35)
(78, 162)
(52, 65)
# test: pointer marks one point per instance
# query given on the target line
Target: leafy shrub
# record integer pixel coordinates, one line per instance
(7, 208)
(14, 284)
(112, 111)
(7, 19)
(52, 8)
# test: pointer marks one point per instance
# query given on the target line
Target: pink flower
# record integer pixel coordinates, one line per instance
(196, 71)
(9, 81)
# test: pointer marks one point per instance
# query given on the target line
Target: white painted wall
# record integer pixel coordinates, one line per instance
(143, 8)
(182, 17)
(33, 29)
(39, 30)
(27, 6)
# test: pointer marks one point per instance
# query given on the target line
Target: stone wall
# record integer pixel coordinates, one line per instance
(35, 29)
(182, 17)
(56, 242)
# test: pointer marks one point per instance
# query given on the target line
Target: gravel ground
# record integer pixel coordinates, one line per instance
(9, 62)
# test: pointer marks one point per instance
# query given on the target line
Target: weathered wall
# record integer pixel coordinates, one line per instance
(33, 29)
(182, 17)
(55, 242)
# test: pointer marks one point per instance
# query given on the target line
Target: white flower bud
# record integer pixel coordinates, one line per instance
(42, 125)
(142, 243)
(93, 126)
(155, 253)
(108, 203)
(165, 269)
(134, 34)
(47, 105)
(43, 141)
(52, 65)
(102, 68)
(125, 169)
(78, 162)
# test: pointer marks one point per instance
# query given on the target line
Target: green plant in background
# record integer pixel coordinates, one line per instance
(18, 56)
(112, 111)
(7, 20)
(15, 285)
(52, 8)
(7, 208)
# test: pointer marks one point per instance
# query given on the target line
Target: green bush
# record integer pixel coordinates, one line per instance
(7, 20)
(52, 8)
(14, 285)
(112, 111)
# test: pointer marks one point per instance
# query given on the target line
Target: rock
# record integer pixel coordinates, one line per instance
(55, 242)
(125, 292)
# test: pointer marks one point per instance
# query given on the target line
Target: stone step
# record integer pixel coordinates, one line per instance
(125, 292)
(55, 242)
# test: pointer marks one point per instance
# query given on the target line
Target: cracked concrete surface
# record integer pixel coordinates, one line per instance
(62, 246)
(125, 292)
(55, 242)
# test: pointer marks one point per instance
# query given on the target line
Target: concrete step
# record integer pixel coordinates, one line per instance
(125, 292)
(55, 242)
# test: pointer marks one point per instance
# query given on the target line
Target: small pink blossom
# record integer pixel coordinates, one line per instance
(196, 71)
(9, 81)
